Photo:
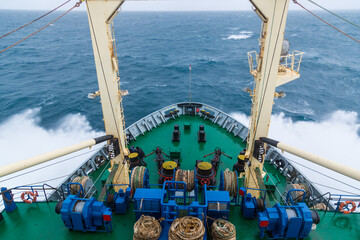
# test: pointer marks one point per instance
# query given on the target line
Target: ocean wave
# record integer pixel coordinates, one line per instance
(241, 35)
(336, 137)
(22, 137)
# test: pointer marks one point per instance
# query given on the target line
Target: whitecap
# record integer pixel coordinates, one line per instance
(335, 137)
(22, 137)
(241, 35)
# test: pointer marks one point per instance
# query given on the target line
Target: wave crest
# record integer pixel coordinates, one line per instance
(241, 35)
(336, 137)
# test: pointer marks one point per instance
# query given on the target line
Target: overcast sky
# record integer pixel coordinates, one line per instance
(180, 5)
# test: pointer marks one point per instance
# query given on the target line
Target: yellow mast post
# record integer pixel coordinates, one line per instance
(101, 14)
(268, 74)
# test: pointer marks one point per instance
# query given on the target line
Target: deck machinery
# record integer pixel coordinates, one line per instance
(199, 192)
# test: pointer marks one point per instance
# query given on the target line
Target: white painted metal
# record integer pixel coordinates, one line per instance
(30, 162)
(274, 14)
(337, 167)
(100, 15)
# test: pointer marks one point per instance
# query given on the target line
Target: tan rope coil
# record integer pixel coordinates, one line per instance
(76, 188)
(223, 230)
(190, 228)
(299, 194)
(147, 228)
(186, 176)
(320, 206)
(230, 182)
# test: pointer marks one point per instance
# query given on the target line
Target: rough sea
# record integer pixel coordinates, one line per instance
(44, 81)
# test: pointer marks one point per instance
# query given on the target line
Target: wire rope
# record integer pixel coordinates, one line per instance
(17, 29)
(354, 24)
(337, 29)
(97, 179)
(13, 45)
(324, 174)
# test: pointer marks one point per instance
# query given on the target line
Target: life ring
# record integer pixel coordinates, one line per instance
(31, 196)
(343, 204)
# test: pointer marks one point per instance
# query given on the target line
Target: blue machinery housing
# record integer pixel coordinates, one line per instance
(294, 220)
(173, 201)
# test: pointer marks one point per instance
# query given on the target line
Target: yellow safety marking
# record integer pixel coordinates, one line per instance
(204, 166)
(133, 155)
(169, 165)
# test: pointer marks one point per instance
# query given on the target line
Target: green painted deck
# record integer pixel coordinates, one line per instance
(39, 221)
(188, 146)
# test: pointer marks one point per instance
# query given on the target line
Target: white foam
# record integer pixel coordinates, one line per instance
(241, 35)
(335, 137)
(22, 137)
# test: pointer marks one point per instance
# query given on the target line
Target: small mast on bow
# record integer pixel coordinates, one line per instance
(270, 69)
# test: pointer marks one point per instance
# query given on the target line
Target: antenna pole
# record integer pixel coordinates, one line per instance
(190, 84)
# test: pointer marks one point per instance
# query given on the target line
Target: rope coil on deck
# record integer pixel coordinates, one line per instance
(223, 230)
(230, 182)
(188, 227)
(147, 228)
(186, 176)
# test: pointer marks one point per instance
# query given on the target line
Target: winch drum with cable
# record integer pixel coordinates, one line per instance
(139, 178)
(186, 176)
(82, 214)
(294, 221)
(85, 182)
(229, 182)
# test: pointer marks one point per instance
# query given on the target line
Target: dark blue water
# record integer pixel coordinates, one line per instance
(55, 70)
(44, 81)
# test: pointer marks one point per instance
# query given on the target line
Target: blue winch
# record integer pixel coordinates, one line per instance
(250, 205)
(294, 221)
(119, 202)
(81, 214)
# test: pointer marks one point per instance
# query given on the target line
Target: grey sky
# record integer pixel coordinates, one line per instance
(180, 5)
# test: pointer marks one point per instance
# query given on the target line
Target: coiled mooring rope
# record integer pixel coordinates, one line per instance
(186, 176)
(147, 228)
(230, 182)
(223, 230)
(75, 189)
(190, 228)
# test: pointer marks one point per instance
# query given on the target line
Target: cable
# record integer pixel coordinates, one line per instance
(326, 22)
(277, 189)
(76, 5)
(354, 24)
(323, 174)
(67, 159)
(35, 19)
(97, 178)
(341, 190)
